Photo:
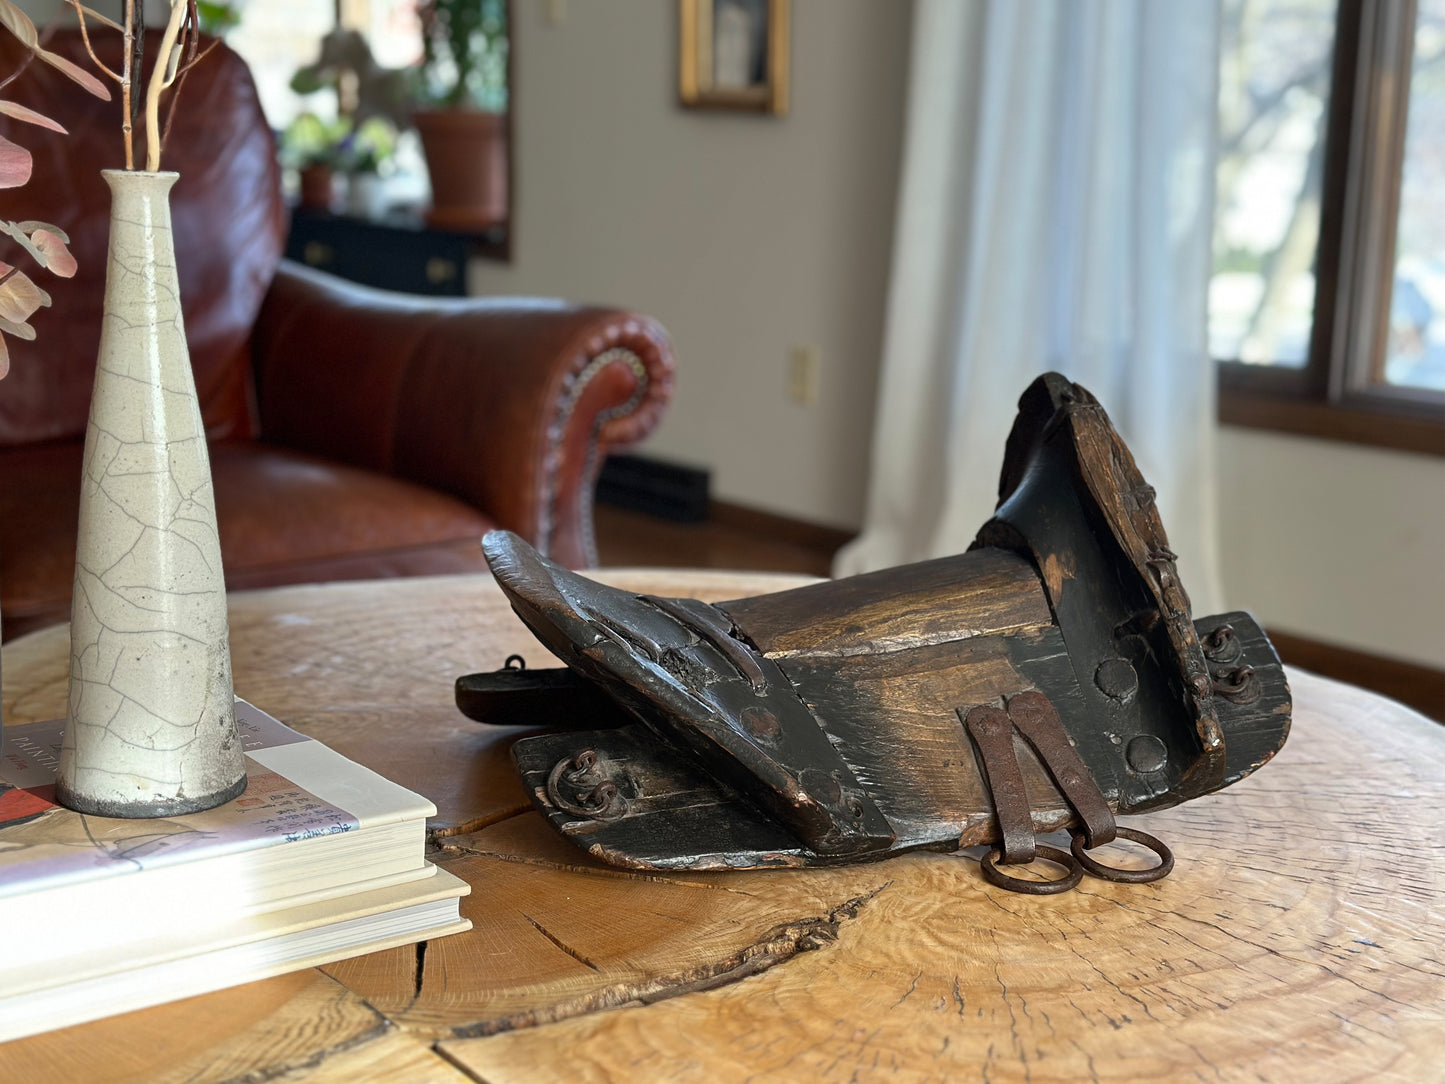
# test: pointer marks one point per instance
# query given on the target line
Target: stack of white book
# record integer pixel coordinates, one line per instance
(318, 860)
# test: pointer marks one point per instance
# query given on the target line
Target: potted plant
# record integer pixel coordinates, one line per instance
(313, 147)
(462, 87)
(370, 103)
(366, 153)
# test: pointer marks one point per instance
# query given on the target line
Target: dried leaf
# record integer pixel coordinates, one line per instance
(20, 331)
(14, 229)
(19, 112)
(76, 74)
(4, 358)
(19, 298)
(5, 269)
(19, 24)
(91, 13)
(58, 259)
(15, 164)
(30, 226)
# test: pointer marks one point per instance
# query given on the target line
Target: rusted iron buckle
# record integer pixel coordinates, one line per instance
(1032, 715)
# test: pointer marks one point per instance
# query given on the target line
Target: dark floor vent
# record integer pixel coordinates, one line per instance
(666, 490)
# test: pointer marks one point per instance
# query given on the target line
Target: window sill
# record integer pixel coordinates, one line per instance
(1410, 427)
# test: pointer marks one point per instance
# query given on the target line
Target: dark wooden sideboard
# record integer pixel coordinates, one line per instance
(397, 252)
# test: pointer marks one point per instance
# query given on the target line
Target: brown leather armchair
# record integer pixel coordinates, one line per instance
(354, 433)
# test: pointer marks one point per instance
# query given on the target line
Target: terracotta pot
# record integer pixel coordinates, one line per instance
(466, 155)
(317, 187)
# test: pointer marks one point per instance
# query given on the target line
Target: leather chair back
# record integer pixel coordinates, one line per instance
(227, 212)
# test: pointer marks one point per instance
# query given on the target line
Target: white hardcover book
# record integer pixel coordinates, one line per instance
(73, 991)
(311, 824)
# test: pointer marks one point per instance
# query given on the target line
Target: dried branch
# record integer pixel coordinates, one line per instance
(133, 45)
(160, 80)
(25, 63)
(80, 12)
(136, 24)
(180, 85)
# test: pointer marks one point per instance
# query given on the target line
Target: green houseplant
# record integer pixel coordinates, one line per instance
(461, 85)
(313, 147)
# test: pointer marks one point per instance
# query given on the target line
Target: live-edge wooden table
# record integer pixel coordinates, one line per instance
(1299, 938)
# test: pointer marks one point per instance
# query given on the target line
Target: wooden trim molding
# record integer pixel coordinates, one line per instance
(1419, 687)
(797, 532)
(1422, 432)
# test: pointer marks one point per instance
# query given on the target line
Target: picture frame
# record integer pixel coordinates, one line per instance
(733, 55)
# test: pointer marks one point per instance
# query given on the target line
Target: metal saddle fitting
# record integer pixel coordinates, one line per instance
(1031, 713)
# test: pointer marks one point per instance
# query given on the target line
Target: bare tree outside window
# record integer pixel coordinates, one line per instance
(1327, 298)
(1415, 356)
(1273, 95)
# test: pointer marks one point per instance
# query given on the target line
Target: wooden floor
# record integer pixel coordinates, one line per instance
(638, 540)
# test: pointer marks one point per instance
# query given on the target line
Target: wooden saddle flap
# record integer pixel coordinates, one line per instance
(634, 800)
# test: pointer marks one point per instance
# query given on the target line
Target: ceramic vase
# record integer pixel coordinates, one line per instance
(151, 729)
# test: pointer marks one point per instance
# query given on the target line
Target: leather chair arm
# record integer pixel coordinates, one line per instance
(508, 403)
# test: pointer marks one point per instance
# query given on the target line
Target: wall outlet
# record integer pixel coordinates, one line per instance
(803, 367)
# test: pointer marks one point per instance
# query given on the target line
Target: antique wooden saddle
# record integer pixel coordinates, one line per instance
(1051, 677)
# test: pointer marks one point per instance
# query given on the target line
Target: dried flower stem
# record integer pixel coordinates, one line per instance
(126, 112)
(191, 41)
(19, 68)
(179, 52)
(85, 37)
(162, 76)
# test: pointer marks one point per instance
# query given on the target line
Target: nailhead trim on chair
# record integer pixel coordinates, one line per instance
(576, 387)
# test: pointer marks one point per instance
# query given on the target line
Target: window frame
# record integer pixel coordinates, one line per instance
(1337, 394)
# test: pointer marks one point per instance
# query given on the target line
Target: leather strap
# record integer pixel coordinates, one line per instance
(1039, 722)
(1036, 718)
(992, 732)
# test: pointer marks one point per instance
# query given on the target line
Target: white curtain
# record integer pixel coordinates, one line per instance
(1054, 213)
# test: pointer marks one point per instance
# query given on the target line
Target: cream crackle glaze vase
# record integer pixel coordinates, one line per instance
(151, 729)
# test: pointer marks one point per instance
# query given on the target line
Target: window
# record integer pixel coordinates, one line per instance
(1327, 301)
(277, 37)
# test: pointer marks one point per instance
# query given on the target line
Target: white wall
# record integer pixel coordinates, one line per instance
(744, 235)
(1336, 541)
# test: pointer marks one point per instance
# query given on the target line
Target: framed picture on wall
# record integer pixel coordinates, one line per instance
(733, 54)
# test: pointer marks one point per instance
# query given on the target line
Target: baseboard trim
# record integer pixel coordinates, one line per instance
(1419, 687)
(776, 528)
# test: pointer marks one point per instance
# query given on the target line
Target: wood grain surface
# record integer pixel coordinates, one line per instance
(1299, 937)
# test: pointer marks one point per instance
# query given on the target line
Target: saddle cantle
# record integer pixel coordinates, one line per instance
(1050, 677)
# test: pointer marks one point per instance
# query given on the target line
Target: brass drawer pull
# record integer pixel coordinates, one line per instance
(440, 270)
(318, 254)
